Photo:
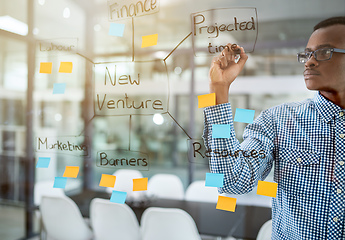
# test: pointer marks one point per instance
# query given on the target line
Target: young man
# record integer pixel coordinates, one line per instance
(305, 140)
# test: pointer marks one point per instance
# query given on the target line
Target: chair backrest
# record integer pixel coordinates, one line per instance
(113, 221)
(168, 224)
(165, 186)
(265, 232)
(197, 191)
(124, 183)
(45, 188)
(62, 219)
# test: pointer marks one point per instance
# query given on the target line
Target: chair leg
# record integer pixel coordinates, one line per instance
(43, 233)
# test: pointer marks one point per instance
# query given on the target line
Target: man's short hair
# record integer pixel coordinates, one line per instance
(329, 22)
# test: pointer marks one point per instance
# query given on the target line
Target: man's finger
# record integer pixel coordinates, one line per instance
(243, 57)
(223, 61)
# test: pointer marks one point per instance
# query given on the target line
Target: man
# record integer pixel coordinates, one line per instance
(305, 140)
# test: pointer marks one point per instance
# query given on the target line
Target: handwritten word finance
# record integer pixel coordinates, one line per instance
(124, 9)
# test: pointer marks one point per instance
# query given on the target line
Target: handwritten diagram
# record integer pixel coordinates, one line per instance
(119, 87)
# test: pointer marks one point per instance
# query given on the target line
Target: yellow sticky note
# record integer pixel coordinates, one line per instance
(46, 67)
(140, 184)
(66, 67)
(107, 181)
(207, 100)
(71, 172)
(149, 40)
(268, 189)
(226, 203)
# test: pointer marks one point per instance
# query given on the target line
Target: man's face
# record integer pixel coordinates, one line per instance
(327, 75)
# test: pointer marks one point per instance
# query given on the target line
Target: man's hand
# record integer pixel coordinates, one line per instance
(224, 71)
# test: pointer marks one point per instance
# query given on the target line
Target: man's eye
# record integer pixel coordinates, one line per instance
(324, 52)
(304, 55)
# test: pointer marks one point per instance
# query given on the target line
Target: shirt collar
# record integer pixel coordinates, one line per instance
(326, 108)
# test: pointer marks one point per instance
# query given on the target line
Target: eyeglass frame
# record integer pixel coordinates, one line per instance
(312, 53)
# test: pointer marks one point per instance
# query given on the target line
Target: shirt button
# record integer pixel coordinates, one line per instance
(341, 163)
(338, 190)
(299, 160)
(342, 135)
(341, 114)
(335, 219)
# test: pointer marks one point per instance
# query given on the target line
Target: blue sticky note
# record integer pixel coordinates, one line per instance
(220, 131)
(43, 162)
(244, 115)
(214, 180)
(60, 182)
(59, 88)
(118, 197)
(116, 29)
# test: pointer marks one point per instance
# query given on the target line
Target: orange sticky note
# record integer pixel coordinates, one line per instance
(140, 184)
(66, 67)
(46, 67)
(149, 40)
(207, 100)
(268, 189)
(226, 203)
(107, 181)
(71, 172)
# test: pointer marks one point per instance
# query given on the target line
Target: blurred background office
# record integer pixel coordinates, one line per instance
(28, 108)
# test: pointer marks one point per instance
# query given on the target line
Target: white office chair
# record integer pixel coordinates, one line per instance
(113, 221)
(44, 188)
(197, 191)
(62, 219)
(165, 186)
(265, 232)
(124, 183)
(168, 224)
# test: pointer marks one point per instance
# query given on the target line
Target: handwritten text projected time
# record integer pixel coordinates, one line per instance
(121, 9)
(213, 29)
(131, 88)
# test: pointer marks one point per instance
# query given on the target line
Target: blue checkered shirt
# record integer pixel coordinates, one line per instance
(305, 141)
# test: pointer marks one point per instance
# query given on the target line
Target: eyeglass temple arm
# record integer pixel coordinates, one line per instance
(338, 50)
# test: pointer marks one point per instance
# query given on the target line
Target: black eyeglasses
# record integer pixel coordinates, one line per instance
(322, 54)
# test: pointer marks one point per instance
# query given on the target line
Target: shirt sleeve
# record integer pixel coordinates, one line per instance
(242, 164)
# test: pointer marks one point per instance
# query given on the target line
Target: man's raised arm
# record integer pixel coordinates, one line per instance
(246, 163)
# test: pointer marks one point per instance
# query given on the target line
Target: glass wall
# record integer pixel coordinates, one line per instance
(89, 102)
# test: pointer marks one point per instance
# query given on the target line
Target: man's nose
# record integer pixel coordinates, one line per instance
(311, 62)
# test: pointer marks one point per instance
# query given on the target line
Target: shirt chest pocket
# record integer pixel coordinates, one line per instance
(297, 171)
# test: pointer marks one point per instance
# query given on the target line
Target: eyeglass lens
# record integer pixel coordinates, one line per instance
(319, 55)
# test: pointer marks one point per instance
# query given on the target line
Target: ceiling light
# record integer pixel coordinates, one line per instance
(58, 117)
(160, 54)
(158, 119)
(178, 70)
(66, 12)
(97, 28)
(41, 2)
(35, 31)
(13, 25)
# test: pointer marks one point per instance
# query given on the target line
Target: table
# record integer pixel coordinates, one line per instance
(244, 223)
